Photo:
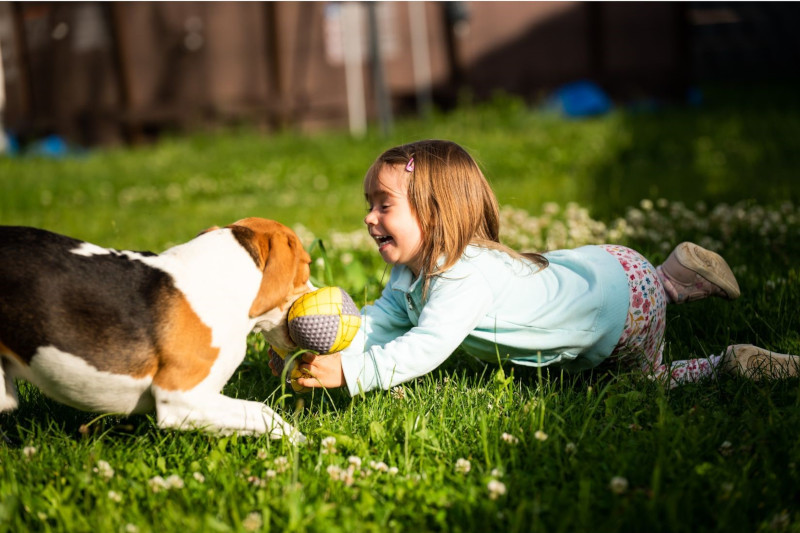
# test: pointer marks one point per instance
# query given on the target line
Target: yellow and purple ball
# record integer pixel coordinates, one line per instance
(325, 321)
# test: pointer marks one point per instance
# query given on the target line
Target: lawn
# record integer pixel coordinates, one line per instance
(468, 447)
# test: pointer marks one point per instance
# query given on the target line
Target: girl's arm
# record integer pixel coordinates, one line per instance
(457, 302)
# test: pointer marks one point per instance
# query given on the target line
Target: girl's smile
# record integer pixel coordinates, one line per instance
(391, 221)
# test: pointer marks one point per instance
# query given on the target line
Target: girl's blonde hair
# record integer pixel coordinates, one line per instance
(452, 200)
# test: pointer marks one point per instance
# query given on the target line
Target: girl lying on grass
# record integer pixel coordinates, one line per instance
(434, 218)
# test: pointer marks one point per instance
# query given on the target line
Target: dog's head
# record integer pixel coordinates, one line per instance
(284, 263)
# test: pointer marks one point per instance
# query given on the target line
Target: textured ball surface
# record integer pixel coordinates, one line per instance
(325, 320)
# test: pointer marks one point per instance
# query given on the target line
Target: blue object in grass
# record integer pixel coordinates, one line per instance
(581, 98)
(51, 146)
(8, 144)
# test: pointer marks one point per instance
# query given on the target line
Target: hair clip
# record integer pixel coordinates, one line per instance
(410, 165)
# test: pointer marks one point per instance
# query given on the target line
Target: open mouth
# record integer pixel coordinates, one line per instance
(383, 240)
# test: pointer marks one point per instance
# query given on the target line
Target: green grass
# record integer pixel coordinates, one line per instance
(721, 455)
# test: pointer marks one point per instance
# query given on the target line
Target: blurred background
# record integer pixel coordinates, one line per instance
(97, 73)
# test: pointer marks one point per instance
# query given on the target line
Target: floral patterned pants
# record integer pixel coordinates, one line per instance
(642, 342)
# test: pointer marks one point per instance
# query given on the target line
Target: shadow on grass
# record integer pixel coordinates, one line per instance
(741, 143)
(39, 415)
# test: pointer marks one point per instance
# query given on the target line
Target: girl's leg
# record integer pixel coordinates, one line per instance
(692, 272)
(642, 340)
(688, 370)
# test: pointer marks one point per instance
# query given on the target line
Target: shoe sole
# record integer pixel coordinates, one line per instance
(756, 363)
(710, 265)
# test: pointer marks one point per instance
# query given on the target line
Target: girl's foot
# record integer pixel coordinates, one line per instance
(692, 272)
(756, 363)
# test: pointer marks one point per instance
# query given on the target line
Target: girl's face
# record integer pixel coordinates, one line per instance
(390, 220)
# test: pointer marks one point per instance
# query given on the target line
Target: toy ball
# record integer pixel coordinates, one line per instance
(325, 321)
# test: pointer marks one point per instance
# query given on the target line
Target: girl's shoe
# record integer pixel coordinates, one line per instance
(756, 363)
(692, 272)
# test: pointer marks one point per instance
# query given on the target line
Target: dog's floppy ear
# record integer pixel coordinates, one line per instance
(281, 261)
(279, 254)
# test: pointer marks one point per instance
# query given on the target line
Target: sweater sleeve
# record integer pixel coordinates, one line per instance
(388, 355)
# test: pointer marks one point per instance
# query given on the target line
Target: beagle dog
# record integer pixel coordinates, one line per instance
(117, 331)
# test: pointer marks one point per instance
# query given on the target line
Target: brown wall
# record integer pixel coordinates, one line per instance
(112, 72)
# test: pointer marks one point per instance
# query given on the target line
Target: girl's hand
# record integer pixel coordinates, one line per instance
(322, 370)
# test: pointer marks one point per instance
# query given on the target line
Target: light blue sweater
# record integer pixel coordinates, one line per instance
(570, 314)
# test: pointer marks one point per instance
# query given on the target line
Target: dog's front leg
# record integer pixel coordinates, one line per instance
(220, 414)
(8, 389)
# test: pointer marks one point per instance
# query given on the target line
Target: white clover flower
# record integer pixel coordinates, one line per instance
(398, 392)
(252, 522)
(257, 481)
(496, 489)
(509, 438)
(157, 484)
(200, 478)
(261, 454)
(114, 496)
(29, 451)
(281, 464)
(540, 435)
(726, 448)
(328, 445)
(354, 461)
(334, 472)
(393, 470)
(463, 466)
(131, 528)
(571, 448)
(174, 482)
(104, 470)
(379, 466)
(551, 208)
(618, 485)
(496, 472)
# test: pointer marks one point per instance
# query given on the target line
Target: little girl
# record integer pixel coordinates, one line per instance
(434, 217)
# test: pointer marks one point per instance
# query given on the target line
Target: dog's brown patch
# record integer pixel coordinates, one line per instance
(185, 353)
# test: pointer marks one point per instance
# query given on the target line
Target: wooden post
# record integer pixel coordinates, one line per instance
(378, 78)
(26, 94)
(278, 116)
(421, 57)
